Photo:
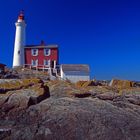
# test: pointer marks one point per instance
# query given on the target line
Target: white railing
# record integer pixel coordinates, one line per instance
(44, 68)
(37, 67)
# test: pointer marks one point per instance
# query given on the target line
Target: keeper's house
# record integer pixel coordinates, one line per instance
(74, 72)
(41, 56)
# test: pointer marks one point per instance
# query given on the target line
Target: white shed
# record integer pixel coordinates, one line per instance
(75, 72)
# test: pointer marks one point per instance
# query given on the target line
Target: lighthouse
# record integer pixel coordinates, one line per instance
(18, 59)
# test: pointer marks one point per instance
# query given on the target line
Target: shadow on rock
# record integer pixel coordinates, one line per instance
(4, 133)
(36, 100)
(83, 95)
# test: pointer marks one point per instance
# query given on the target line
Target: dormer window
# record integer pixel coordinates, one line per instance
(47, 52)
(34, 52)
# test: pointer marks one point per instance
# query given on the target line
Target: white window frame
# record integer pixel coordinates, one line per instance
(33, 52)
(36, 61)
(49, 52)
(48, 62)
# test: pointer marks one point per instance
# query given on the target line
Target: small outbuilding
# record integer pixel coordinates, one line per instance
(75, 72)
(2, 67)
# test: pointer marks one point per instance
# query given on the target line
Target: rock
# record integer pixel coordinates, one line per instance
(67, 118)
(136, 84)
(80, 83)
(134, 101)
(51, 111)
(107, 96)
(34, 93)
(16, 84)
(4, 132)
(82, 95)
(85, 84)
(120, 84)
(23, 73)
(89, 83)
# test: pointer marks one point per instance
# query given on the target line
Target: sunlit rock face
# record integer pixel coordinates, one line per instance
(36, 109)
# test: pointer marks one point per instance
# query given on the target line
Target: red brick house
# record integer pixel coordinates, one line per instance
(41, 56)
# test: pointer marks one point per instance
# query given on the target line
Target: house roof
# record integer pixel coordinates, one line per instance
(76, 69)
(2, 65)
(41, 46)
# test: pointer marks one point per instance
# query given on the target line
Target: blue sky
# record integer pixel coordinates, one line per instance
(102, 33)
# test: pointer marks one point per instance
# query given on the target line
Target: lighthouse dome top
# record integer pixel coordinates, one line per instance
(21, 16)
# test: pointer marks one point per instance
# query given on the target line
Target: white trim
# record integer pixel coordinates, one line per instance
(49, 52)
(32, 51)
(54, 64)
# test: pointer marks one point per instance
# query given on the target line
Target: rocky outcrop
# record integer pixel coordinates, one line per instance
(88, 83)
(20, 94)
(59, 110)
(120, 84)
(16, 84)
(24, 73)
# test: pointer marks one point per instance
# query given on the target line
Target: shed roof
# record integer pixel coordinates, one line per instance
(75, 68)
(41, 46)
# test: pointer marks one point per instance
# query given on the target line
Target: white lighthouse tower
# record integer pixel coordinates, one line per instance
(18, 59)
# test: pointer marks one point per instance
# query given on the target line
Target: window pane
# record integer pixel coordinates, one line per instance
(34, 62)
(46, 52)
(46, 62)
(34, 52)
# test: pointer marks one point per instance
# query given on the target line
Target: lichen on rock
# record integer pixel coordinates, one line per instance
(39, 109)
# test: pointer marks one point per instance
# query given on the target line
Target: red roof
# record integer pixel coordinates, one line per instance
(41, 46)
(2, 65)
(21, 16)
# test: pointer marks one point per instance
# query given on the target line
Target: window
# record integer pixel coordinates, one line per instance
(19, 52)
(47, 52)
(34, 62)
(47, 62)
(34, 52)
